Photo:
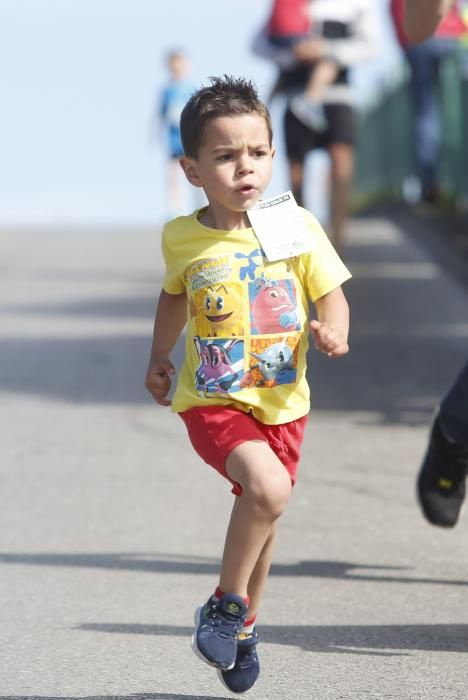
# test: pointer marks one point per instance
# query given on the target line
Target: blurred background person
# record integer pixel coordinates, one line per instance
(424, 61)
(289, 23)
(441, 483)
(172, 100)
(342, 33)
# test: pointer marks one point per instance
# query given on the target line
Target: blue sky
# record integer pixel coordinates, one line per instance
(79, 81)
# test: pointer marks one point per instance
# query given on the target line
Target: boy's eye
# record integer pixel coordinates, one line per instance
(224, 157)
(260, 153)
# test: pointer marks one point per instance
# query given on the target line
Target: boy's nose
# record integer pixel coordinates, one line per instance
(244, 165)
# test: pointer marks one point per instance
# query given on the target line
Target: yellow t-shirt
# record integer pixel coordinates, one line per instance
(247, 333)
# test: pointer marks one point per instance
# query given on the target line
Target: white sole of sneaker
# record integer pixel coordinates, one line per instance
(197, 651)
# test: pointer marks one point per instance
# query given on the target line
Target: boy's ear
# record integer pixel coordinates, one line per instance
(189, 166)
(273, 152)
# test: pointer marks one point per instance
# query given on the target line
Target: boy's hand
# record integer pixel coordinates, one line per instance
(329, 339)
(158, 380)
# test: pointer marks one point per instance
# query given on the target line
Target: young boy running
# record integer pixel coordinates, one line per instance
(242, 391)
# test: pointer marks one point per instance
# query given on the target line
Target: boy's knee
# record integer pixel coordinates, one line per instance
(270, 493)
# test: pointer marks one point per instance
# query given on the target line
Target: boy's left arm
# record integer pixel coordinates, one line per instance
(331, 329)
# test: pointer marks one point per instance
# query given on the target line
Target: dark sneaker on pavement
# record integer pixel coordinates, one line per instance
(246, 669)
(217, 625)
(441, 481)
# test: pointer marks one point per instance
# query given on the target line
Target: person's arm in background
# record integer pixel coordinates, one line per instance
(361, 46)
(422, 17)
(358, 48)
(283, 57)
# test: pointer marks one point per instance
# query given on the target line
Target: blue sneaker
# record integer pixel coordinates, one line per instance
(217, 624)
(245, 671)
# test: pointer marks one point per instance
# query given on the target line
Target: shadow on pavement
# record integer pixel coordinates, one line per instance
(134, 696)
(149, 563)
(388, 640)
(79, 371)
(130, 307)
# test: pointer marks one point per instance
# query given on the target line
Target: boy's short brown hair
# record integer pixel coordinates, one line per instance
(225, 96)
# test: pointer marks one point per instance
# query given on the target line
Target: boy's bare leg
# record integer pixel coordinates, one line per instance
(308, 106)
(266, 487)
(258, 579)
(323, 74)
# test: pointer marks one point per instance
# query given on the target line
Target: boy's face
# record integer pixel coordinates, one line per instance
(234, 162)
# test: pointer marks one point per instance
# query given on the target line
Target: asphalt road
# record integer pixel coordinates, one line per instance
(111, 528)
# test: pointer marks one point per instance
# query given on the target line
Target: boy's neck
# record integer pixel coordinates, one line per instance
(224, 220)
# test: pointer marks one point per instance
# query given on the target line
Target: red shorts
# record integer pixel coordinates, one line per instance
(215, 431)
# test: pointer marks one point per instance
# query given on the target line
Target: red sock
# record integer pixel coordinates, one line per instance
(248, 626)
(219, 594)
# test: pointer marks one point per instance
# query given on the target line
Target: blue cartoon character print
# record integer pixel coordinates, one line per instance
(273, 306)
(273, 361)
(276, 363)
(221, 365)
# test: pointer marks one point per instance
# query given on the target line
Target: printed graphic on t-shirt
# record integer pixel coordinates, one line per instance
(252, 261)
(218, 310)
(273, 306)
(272, 361)
(221, 364)
(207, 272)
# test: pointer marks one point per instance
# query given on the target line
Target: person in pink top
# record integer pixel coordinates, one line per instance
(345, 33)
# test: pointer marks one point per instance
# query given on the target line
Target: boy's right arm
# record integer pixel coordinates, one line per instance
(171, 317)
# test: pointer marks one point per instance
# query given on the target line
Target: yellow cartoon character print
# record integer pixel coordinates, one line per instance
(219, 310)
